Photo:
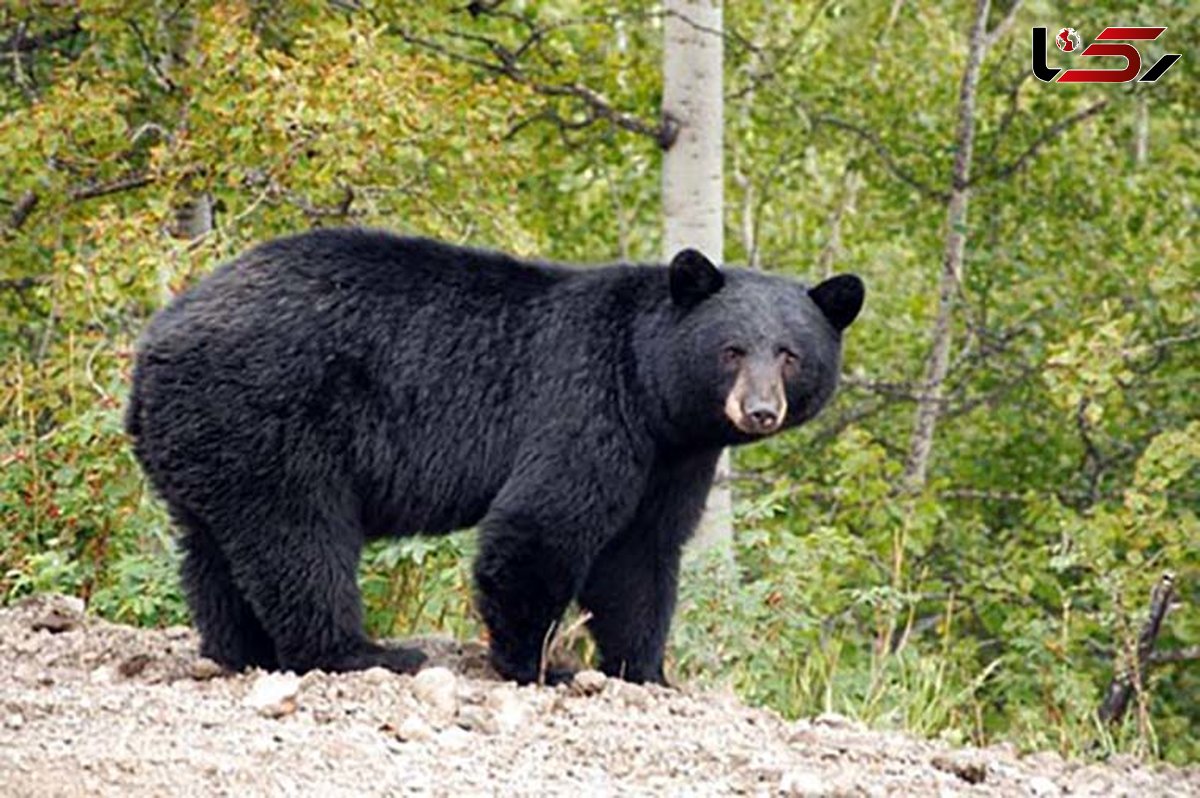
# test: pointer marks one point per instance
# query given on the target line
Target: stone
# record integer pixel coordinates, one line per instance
(802, 784)
(273, 695)
(589, 682)
(414, 729)
(437, 690)
(202, 669)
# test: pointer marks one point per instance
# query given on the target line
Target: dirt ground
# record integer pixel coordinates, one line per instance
(91, 708)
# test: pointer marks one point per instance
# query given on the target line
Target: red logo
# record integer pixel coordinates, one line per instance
(1068, 40)
(1112, 43)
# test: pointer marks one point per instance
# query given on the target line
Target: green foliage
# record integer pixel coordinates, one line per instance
(994, 603)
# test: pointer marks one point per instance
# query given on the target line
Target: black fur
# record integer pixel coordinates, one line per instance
(342, 385)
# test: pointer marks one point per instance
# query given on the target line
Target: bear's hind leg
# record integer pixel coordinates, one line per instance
(230, 633)
(302, 582)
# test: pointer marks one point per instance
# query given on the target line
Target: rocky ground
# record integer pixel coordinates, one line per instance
(92, 708)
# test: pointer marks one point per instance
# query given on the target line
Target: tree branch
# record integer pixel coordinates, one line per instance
(1188, 654)
(883, 153)
(22, 209)
(1047, 135)
(21, 43)
(1133, 678)
(127, 183)
(931, 405)
(507, 65)
(997, 33)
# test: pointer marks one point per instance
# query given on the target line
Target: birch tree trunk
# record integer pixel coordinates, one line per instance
(929, 405)
(692, 187)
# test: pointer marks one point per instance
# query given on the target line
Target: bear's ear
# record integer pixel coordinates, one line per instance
(840, 299)
(693, 278)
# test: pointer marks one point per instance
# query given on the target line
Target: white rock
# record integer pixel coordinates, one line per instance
(377, 675)
(509, 712)
(14, 721)
(455, 739)
(414, 729)
(589, 682)
(1040, 787)
(105, 674)
(437, 689)
(273, 694)
(802, 783)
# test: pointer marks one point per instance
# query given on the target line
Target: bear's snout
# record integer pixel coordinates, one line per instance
(757, 403)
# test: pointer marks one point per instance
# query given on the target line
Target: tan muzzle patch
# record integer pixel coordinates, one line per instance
(756, 409)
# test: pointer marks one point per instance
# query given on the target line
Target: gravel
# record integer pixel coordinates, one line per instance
(91, 708)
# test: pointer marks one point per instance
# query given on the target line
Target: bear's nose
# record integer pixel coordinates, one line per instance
(763, 416)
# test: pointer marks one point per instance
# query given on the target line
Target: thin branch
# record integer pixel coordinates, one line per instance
(597, 105)
(160, 77)
(1002, 27)
(21, 43)
(1188, 654)
(1047, 135)
(22, 210)
(127, 183)
(883, 153)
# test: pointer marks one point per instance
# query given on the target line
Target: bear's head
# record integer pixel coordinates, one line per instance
(750, 354)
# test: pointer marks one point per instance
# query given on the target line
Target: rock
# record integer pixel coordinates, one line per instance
(105, 674)
(14, 721)
(475, 718)
(1042, 787)
(836, 720)
(61, 614)
(804, 783)
(437, 689)
(177, 632)
(589, 682)
(509, 713)
(633, 695)
(273, 694)
(202, 669)
(414, 729)
(377, 675)
(454, 738)
(968, 766)
(134, 665)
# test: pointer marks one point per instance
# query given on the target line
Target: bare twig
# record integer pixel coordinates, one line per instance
(1002, 27)
(1188, 654)
(1133, 678)
(22, 209)
(127, 183)
(507, 65)
(20, 42)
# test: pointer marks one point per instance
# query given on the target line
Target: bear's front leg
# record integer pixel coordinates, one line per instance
(540, 537)
(631, 587)
(524, 584)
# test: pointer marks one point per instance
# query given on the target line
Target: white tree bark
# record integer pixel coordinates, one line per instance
(929, 405)
(693, 187)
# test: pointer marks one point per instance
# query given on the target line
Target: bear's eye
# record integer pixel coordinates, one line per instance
(790, 358)
(732, 355)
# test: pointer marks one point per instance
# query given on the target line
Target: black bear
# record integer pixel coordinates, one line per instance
(341, 385)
